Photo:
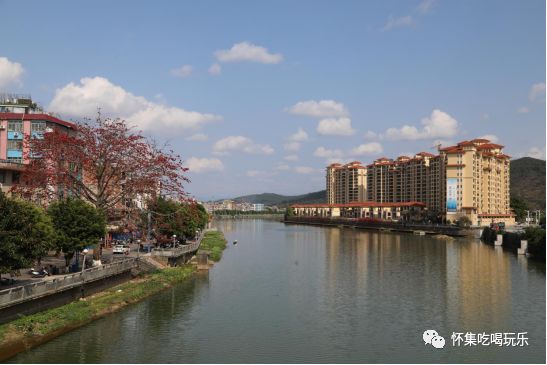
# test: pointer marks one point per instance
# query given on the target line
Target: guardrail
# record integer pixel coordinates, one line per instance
(9, 297)
(179, 251)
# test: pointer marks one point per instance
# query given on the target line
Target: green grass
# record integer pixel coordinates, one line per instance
(215, 243)
(82, 311)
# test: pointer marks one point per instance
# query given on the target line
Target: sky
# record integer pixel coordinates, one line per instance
(259, 96)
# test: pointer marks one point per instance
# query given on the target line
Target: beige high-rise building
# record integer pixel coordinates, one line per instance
(346, 183)
(477, 182)
(469, 179)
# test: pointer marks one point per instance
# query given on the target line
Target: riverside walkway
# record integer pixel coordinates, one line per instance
(49, 286)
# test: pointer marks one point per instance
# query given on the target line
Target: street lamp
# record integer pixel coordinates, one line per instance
(174, 237)
(84, 252)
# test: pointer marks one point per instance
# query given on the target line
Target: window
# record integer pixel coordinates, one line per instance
(15, 145)
(15, 126)
(2, 177)
(15, 177)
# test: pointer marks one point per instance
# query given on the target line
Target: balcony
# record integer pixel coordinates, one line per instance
(11, 165)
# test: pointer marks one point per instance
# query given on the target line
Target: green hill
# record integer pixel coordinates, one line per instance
(284, 200)
(528, 181)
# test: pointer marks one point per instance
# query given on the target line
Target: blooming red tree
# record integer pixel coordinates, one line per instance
(103, 162)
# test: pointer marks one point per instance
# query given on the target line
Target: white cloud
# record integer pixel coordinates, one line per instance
(492, 138)
(292, 146)
(438, 125)
(83, 99)
(425, 6)
(523, 110)
(10, 72)
(326, 153)
(535, 152)
(319, 109)
(372, 148)
(282, 167)
(245, 51)
(199, 165)
(215, 69)
(197, 137)
(294, 140)
(404, 21)
(291, 158)
(304, 170)
(183, 71)
(371, 135)
(335, 127)
(537, 91)
(241, 144)
(299, 136)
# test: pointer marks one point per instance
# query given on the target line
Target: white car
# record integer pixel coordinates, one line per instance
(121, 249)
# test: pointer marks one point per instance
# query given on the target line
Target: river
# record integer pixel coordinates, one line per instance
(294, 293)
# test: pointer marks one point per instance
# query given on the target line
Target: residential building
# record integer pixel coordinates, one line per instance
(257, 207)
(20, 117)
(469, 179)
(346, 183)
(477, 182)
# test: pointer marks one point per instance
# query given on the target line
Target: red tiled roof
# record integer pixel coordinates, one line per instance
(46, 117)
(425, 154)
(488, 146)
(480, 140)
(466, 143)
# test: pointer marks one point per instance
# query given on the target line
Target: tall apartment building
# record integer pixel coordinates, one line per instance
(346, 183)
(20, 117)
(477, 181)
(469, 179)
(407, 179)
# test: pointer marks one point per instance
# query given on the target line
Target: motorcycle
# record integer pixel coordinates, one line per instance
(38, 274)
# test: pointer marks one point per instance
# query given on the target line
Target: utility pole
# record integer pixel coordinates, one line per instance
(149, 221)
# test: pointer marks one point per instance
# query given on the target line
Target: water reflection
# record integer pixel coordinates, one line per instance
(289, 293)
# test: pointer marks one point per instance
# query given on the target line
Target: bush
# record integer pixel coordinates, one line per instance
(536, 242)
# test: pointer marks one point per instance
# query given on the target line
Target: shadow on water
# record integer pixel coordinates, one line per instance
(134, 335)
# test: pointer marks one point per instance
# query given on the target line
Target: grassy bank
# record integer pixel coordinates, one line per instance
(215, 243)
(30, 330)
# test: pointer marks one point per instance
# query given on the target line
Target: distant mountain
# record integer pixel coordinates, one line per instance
(284, 200)
(528, 181)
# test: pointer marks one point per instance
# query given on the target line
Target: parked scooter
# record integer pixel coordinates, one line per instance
(38, 274)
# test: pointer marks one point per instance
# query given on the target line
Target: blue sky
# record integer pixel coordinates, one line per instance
(259, 96)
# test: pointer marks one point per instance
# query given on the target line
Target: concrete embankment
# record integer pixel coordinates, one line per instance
(32, 330)
(382, 226)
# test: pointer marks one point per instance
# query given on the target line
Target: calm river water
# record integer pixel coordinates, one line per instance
(290, 293)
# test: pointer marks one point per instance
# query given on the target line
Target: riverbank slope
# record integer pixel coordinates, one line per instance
(29, 331)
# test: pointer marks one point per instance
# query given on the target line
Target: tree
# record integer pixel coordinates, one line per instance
(77, 224)
(104, 162)
(464, 221)
(26, 234)
(519, 207)
(182, 219)
(536, 241)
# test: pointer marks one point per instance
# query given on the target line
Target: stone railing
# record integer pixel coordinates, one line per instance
(9, 297)
(179, 251)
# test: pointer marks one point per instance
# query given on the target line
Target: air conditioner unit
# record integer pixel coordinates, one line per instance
(2, 127)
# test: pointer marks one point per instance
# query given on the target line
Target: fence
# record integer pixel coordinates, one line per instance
(175, 252)
(9, 297)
